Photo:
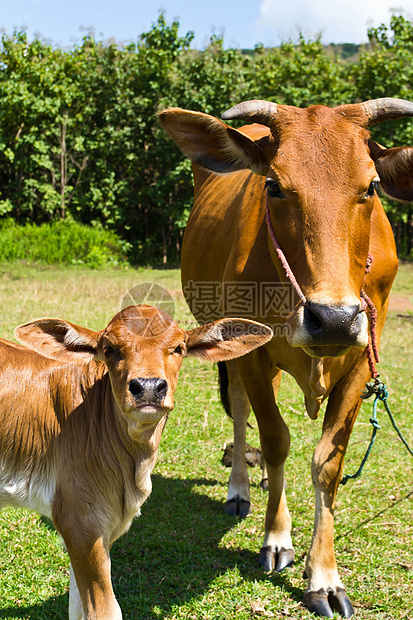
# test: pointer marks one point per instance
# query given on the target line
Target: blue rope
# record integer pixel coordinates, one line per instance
(378, 388)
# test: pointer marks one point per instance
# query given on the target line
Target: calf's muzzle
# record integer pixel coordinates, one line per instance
(151, 390)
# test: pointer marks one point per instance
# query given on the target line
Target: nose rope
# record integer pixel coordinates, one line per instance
(366, 303)
(372, 348)
(281, 255)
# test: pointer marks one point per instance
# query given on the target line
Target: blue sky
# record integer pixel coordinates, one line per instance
(242, 22)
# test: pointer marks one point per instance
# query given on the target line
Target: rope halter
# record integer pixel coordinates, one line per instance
(366, 302)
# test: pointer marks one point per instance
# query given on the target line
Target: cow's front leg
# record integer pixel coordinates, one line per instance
(261, 384)
(325, 592)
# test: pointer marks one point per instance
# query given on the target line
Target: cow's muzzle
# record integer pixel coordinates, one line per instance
(328, 330)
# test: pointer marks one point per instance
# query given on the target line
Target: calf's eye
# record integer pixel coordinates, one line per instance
(178, 350)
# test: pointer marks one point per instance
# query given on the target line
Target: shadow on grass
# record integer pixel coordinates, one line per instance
(55, 608)
(170, 556)
(172, 553)
(380, 513)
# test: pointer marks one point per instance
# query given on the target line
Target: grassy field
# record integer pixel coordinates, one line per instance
(184, 558)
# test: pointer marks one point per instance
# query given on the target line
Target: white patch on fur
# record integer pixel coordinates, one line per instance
(27, 491)
(75, 602)
(278, 540)
(72, 338)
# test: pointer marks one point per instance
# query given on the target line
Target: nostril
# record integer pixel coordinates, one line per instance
(162, 388)
(136, 388)
(353, 311)
(311, 320)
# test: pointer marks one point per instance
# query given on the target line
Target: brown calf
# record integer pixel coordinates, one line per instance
(81, 420)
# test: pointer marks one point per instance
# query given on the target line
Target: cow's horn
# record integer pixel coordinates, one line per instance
(386, 109)
(253, 111)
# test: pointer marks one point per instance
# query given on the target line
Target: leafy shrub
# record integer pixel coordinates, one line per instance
(61, 242)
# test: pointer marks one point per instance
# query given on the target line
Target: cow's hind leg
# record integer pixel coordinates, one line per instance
(261, 384)
(325, 592)
(238, 497)
(264, 474)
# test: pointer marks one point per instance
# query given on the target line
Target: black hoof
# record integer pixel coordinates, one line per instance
(340, 602)
(271, 560)
(264, 484)
(324, 604)
(317, 602)
(285, 559)
(267, 559)
(237, 507)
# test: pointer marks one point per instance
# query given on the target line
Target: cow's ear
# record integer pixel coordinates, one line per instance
(59, 339)
(212, 144)
(395, 169)
(226, 338)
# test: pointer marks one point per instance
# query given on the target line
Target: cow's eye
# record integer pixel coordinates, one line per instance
(273, 188)
(178, 350)
(373, 187)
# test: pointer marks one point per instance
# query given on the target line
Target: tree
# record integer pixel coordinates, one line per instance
(386, 70)
(300, 75)
(79, 137)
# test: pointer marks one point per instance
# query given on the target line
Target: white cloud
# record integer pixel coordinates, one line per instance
(338, 21)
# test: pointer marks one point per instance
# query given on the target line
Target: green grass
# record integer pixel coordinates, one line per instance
(184, 558)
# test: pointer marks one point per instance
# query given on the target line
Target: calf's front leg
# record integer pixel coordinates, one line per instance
(91, 567)
(91, 595)
(75, 602)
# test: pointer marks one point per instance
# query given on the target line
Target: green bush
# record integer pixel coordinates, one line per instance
(80, 139)
(61, 242)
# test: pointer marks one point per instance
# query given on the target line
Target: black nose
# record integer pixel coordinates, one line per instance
(148, 389)
(332, 324)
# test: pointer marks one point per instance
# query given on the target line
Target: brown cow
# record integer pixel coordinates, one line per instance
(81, 420)
(316, 173)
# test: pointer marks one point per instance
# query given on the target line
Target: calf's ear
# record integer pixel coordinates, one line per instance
(58, 339)
(226, 339)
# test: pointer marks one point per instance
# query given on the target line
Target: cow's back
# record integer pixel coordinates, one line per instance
(30, 426)
(226, 237)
